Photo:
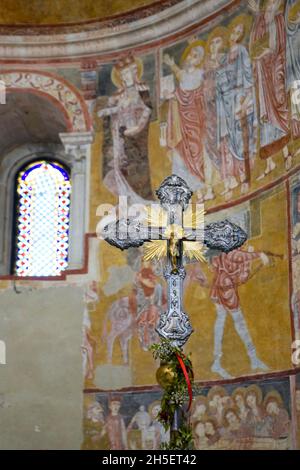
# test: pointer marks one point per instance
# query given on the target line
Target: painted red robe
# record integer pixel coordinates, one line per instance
(148, 318)
(270, 77)
(192, 117)
(116, 431)
(231, 270)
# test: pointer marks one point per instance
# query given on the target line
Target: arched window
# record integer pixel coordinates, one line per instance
(42, 225)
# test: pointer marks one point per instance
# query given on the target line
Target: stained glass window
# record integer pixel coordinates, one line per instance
(44, 190)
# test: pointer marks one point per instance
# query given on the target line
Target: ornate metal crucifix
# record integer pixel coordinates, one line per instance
(176, 231)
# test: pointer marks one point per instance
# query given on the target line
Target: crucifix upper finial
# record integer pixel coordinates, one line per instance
(174, 190)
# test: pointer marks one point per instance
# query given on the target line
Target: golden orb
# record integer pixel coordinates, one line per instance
(165, 376)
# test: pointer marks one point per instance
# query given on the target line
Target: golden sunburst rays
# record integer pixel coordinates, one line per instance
(194, 251)
(158, 249)
(193, 217)
(155, 249)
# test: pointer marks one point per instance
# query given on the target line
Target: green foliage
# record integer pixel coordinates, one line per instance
(181, 440)
(176, 394)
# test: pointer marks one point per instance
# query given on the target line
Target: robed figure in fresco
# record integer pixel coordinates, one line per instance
(268, 50)
(186, 131)
(114, 426)
(230, 271)
(293, 62)
(125, 126)
(216, 46)
(236, 110)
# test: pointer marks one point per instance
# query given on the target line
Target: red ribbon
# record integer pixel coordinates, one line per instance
(187, 379)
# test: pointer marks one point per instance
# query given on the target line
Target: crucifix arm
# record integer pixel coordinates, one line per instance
(224, 236)
(126, 233)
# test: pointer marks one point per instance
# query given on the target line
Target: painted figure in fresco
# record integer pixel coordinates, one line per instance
(186, 131)
(268, 51)
(238, 398)
(91, 299)
(94, 425)
(200, 438)
(217, 397)
(142, 421)
(242, 420)
(125, 127)
(137, 313)
(232, 424)
(236, 110)
(87, 347)
(199, 409)
(212, 433)
(216, 48)
(277, 418)
(230, 271)
(293, 62)
(256, 414)
(115, 426)
(146, 302)
(155, 434)
(121, 328)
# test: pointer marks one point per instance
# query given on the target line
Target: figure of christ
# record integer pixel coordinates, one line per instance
(186, 130)
(268, 51)
(293, 63)
(115, 427)
(126, 125)
(237, 126)
(230, 271)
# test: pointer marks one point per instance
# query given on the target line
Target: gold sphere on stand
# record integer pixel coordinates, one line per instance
(165, 376)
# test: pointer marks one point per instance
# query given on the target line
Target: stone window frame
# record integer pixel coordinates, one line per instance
(75, 153)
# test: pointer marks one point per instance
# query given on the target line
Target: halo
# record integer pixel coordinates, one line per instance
(199, 399)
(231, 409)
(186, 52)
(216, 390)
(238, 391)
(257, 392)
(244, 19)
(115, 73)
(219, 31)
(273, 396)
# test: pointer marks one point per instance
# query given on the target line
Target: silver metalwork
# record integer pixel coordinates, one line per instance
(174, 196)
